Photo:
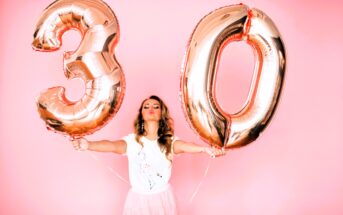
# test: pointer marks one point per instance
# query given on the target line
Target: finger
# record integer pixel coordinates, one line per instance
(76, 146)
(211, 152)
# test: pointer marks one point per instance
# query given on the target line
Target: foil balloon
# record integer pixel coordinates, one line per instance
(211, 35)
(93, 61)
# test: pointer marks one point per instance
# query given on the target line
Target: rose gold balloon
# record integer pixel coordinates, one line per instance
(212, 34)
(93, 61)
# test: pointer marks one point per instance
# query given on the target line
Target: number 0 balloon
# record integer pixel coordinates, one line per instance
(93, 62)
(213, 32)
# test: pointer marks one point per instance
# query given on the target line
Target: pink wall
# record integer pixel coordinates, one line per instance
(295, 167)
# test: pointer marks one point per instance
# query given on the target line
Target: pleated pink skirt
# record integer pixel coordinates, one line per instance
(162, 203)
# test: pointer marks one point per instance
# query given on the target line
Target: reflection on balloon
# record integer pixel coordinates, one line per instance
(93, 62)
(211, 35)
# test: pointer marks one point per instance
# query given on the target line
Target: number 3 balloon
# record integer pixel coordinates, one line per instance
(93, 61)
(213, 32)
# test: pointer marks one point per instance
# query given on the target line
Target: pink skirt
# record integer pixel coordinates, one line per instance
(162, 203)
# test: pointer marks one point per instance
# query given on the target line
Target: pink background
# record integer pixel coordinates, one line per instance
(295, 167)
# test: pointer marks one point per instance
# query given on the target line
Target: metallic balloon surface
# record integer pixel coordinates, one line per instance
(211, 35)
(93, 61)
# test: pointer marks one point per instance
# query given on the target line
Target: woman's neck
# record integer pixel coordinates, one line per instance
(151, 128)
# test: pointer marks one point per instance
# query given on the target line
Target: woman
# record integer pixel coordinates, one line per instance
(150, 151)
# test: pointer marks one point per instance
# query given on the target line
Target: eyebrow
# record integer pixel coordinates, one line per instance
(148, 103)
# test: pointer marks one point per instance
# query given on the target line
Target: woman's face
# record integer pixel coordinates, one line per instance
(151, 110)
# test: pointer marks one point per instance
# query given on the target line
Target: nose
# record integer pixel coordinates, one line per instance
(151, 109)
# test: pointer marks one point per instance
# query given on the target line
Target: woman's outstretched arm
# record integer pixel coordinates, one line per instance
(118, 146)
(180, 146)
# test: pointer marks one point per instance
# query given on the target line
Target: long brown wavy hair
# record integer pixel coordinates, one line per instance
(165, 129)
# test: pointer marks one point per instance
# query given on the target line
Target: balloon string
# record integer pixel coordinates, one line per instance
(108, 168)
(202, 180)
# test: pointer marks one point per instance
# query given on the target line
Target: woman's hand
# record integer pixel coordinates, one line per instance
(80, 144)
(214, 152)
